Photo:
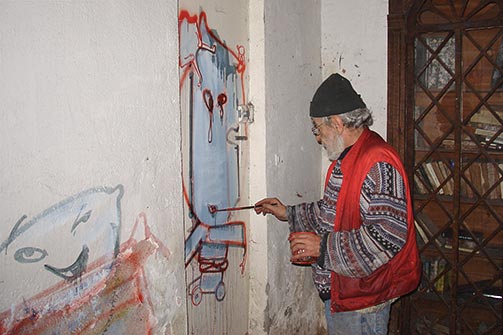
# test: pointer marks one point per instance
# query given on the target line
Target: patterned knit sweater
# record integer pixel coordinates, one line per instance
(360, 252)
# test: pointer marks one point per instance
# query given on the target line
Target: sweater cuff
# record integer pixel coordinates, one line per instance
(290, 213)
(323, 249)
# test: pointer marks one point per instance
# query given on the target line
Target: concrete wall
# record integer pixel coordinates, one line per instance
(90, 133)
(354, 43)
(285, 159)
(213, 84)
(90, 146)
(350, 38)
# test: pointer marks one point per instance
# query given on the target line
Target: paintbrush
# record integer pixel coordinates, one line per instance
(213, 208)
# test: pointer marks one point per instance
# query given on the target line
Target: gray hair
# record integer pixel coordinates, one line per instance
(357, 118)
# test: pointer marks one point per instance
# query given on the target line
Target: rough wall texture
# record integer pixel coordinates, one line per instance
(354, 43)
(90, 183)
(213, 87)
(90, 175)
(349, 38)
(292, 57)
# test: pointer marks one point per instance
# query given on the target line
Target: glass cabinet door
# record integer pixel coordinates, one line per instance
(455, 130)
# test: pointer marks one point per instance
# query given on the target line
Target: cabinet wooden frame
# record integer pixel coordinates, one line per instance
(454, 203)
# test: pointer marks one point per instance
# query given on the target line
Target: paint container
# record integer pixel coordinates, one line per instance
(304, 261)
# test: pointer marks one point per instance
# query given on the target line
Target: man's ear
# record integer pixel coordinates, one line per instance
(336, 123)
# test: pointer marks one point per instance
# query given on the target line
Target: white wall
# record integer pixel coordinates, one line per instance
(89, 95)
(354, 44)
(285, 157)
(258, 247)
(350, 38)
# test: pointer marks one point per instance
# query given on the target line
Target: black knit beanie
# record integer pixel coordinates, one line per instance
(335, 96)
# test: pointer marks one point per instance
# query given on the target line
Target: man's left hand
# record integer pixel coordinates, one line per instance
(304, 245)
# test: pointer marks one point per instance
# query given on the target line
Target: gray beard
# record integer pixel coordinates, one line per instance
(335, 149)
(333, 155)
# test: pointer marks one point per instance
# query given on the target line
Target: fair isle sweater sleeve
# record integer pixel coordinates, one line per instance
(383, 232)
(317, 216)
(309, 217)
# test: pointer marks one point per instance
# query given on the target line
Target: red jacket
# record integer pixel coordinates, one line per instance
(402, 273)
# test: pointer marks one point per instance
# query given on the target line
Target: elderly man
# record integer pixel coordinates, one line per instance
(364, 239)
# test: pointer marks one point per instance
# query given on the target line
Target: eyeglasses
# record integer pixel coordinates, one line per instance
(316, 129)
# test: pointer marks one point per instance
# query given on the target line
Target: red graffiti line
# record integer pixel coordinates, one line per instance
(208, 244)
(208, 101)
(190, 58)
(121, 300)
(221, 101)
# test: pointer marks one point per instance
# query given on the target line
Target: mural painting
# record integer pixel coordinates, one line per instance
(69, 273)
(212, 93)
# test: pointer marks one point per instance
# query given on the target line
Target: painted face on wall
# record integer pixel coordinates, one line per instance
(212, 89)
(60, 245)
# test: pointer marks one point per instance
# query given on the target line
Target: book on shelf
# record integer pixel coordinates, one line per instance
(435, 175)
(488, 145)
(476, 174)
(446, 176)
(487, 127)
(484, 127)
(493, 177)
(484, 177)
(424, 178)
(484, 288)
(486, 117)
(489, 134)
(439, 176)
(461, 247)
(420, 187)
(479, 176)
(463, 234)
(435, 271)
(470, 145)
(426, 229)
(440, 274)
(466, 144)
(423, 238)
(466, 189)
(432, 176)
(467, 242)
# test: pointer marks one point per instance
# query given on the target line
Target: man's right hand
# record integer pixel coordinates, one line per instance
(272, 206)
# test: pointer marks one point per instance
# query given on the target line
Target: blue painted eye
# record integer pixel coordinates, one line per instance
(30, 255)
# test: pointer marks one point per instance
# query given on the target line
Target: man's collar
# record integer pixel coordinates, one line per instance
(344, 153)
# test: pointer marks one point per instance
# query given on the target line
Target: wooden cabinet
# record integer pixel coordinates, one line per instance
(445, 117)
